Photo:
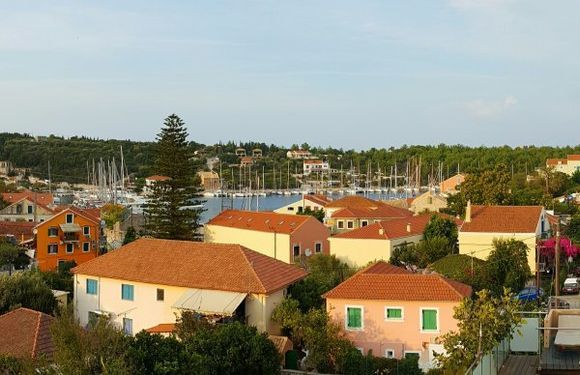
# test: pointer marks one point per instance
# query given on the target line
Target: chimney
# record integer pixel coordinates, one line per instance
(409, 227)
(468, 212)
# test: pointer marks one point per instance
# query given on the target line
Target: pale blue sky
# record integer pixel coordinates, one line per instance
(353, 74)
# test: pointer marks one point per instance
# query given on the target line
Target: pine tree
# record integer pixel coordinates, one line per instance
(170, 214)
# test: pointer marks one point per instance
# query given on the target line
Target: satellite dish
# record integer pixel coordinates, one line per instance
(308, 252)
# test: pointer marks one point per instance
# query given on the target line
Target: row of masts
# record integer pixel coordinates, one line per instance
(108, 178)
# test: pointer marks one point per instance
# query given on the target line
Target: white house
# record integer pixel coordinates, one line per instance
(148, 283)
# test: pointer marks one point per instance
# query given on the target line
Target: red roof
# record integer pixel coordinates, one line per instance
(556, 161)
(503, 219)
(574, 157)
(162, 328)
(17, 229)
(158, 178)
(354, 201)
(26, 334)
(386, 283)
(88, 213)
(194, 265)
(263, 221)
(389, 229)
(322, 200)
(381, 212)
(43, 199)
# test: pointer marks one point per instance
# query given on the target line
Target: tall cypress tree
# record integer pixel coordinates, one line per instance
(169, 213)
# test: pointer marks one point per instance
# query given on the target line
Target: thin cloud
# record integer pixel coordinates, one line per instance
(489, 109)
(478, 4)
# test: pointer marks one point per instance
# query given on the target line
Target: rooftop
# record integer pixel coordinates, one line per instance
(384, 282)
(322, 200)
(354, 201)
(18, 229)
(503, 219)
(44, 199)
(263, 221)
(194, 265)
(158, 178)
(380, 212)
(389, 229)
(26, 333)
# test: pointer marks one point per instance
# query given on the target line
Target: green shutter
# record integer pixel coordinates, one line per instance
(394, 314)
(354, 318)
(430, 320)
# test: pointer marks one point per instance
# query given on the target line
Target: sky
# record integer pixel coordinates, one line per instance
(351, 74)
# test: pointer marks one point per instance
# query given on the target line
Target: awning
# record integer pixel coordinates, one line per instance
(210, 301)
(68, 228)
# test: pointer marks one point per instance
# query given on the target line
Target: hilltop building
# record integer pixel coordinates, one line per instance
(568, 166)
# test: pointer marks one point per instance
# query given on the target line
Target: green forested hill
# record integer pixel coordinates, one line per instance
(68, 156)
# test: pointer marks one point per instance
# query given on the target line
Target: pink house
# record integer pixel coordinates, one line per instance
(395, 313)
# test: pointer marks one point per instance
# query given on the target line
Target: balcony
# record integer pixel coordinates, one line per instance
(70, 238)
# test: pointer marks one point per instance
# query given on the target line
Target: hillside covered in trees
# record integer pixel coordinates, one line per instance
(70, 157)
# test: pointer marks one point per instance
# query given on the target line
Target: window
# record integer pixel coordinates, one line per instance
(30, 209)
(394, 313)
(364, 223)
(389, 353)
(69, 248)
(340, 224)
(296, 250)
(53, 249)
(318, 247)
(411, 354)
(86, 247)
(354, 317)
(429, 320)
(300, 209)
(290, 208)
(127, 292)
(349, 224)
(92, 286)
(128, 326)
(69, 218)
(52, 232)
(87, 230)
(160, 294)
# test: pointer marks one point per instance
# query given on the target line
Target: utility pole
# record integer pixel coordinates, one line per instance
(557, 259)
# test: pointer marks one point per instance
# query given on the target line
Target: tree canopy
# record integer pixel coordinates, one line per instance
(26, 289)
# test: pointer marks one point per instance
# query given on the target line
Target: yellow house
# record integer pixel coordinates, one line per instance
(288, 238)
(313, 202)
(428, 201)
(483, 224)
(149, 282)
(377, 241)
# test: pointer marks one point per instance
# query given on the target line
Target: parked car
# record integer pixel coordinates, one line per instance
(530, 293)
(570, 286)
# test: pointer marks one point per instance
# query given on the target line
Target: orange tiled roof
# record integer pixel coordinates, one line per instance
(385, 284)
(17, 229)
(381, 212)
(26, 334)
(263, 221)
(44, 199)
(322, 200)
(194, 265)
(503, 219)
(162, 328)
(574, 157)
(354, 201)
(158, 178)
(88, 213)
(390, 229)
(556, 161)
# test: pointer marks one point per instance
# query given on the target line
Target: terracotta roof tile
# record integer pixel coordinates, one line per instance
(389, 229)
(26, 334)
(162, 328)
(18, 229)
(158, 178)
(260, 221)
(390, 286)
(354, 201)
(503, 219)
(556, 161)
(380, 212)
(194, 265)
(575, 157)
(322, 200)
(44, 199)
